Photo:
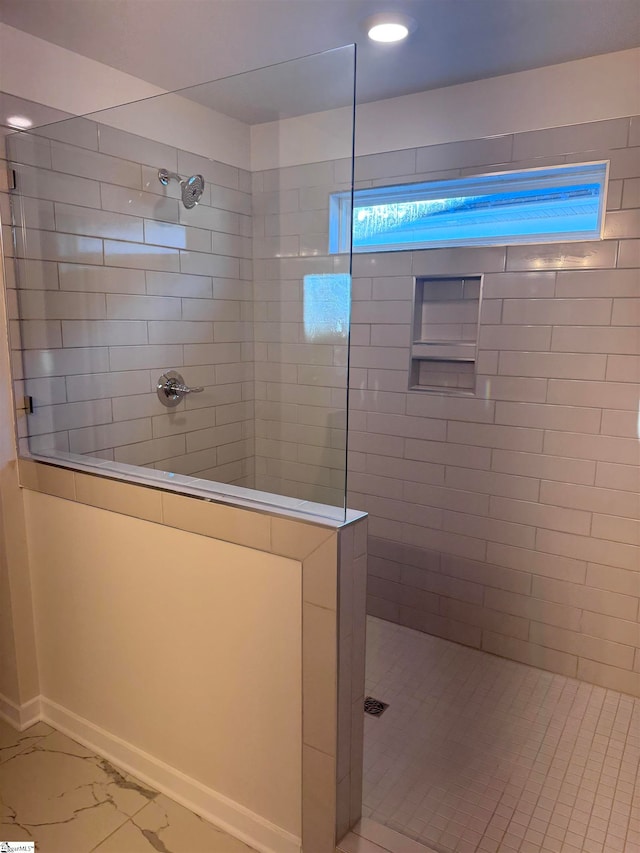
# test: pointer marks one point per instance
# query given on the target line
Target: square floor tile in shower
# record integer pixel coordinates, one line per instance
(477, 753)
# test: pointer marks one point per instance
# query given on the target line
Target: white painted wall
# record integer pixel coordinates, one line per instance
(185, 124)
(40, 71)
(593, 89)
(43, 72)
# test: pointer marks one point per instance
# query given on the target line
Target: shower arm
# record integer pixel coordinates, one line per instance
(164, 176)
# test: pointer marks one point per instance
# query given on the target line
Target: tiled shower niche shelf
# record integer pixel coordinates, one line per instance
(445, 334)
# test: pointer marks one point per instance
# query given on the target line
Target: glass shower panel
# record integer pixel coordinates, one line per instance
(302, 294)
(179, 309)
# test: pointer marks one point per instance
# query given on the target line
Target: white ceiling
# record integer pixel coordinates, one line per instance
(179, 43)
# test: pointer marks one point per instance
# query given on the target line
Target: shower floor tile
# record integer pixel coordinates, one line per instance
(68, 800)
(477, 754)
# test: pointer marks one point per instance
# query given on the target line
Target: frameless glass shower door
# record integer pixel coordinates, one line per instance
(179, 309)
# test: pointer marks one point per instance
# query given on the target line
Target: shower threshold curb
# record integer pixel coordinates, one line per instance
(368, 836)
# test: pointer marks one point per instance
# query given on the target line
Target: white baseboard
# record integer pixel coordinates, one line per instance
(20, 716)
(209, 804)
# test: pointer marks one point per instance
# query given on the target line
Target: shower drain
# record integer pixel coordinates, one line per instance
(374, 706)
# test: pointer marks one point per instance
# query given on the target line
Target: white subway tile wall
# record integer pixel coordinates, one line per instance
(116, 284)
(510, 521)
(300, 374)
(489, 515)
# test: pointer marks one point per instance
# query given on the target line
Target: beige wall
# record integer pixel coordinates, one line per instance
(8, 668)
(184, 646)
(330, 562)
(18, 665)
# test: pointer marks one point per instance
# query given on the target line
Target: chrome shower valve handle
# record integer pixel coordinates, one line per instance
(171, 388)
(179, 388)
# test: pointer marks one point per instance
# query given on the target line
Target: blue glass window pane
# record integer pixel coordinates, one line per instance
(327, 306)
(543, 205)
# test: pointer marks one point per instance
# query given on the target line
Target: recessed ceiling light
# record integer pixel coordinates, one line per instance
(388, 28)
(388, 32)
(19, 122)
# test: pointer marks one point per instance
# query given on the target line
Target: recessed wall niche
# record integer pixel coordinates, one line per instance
(445, 334)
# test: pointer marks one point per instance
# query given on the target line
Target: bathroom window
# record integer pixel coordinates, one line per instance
(558, 204)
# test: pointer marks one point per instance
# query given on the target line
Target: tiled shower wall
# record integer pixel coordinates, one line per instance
(301, 376)
(508, 520)
(117, 283)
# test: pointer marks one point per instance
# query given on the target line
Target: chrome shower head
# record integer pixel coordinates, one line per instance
(192, 188)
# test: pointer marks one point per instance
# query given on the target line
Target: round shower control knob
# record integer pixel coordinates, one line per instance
(171, 388)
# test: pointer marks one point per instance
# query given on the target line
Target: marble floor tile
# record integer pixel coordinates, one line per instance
(13, 742)
(69, 800)
(168, 827)
(64, 796)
